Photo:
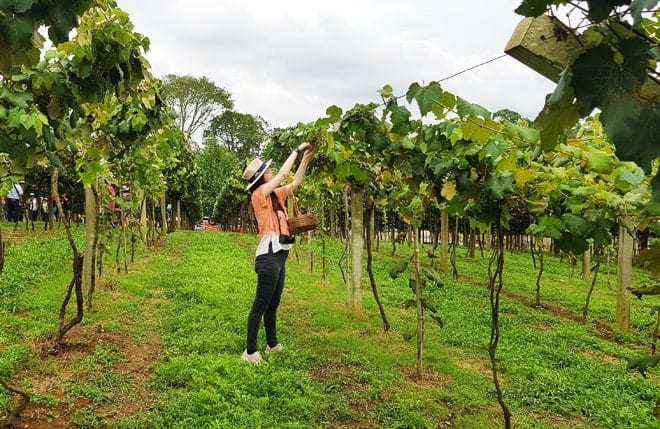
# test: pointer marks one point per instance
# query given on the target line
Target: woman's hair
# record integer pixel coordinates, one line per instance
(256, 184)
(277, 206)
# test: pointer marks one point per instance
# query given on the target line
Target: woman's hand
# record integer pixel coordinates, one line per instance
(302, 147)
(310, 150)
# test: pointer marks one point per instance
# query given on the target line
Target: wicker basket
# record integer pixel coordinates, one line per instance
(302, 223)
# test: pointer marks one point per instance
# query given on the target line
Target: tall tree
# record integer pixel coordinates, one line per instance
(216, 166)
(195, 100)
(507, 114)
(241, 133)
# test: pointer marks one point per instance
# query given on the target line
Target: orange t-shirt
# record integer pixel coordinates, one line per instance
(263, 211)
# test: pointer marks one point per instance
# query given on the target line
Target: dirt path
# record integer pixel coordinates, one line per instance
(97, 376)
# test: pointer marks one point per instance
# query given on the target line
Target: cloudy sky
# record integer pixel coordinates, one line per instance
(288, 60)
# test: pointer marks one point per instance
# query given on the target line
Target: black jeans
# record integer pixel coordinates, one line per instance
(13, 209)
(270, 269)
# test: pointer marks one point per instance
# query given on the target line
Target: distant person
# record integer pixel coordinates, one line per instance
(45, 213)
(14, 202)
(33, 208)
(53, 209)
(268, 202)
(111, 200)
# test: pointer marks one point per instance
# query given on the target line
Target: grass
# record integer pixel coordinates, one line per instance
(171, 331)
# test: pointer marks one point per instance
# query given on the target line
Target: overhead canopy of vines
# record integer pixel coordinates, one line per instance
(615, 71)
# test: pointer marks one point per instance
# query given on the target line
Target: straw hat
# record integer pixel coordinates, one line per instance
(254, 170)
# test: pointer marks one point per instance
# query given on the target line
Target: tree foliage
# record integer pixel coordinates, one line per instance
(508, 115)
(20, 39)
(89, 98)
(219, 173)
(195, 101)
(242, 133)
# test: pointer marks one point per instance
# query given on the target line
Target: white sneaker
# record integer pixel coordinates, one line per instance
(276, 348)
(254, 358)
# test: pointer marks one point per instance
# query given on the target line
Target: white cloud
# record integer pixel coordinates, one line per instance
(287, 61)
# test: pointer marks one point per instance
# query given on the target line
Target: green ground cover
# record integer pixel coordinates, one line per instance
(161, 349)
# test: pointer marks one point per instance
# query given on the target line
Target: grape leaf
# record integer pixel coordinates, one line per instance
(599, 161)
(533, 7)
(465, 108)
(18, 99)
(386, 91)
(62, 19)
(572, 244)
(499, 184)
(627, 176)
(334, 113)
(577, 225)
(529, 135)
(535, 230)
(596, 76)
(440, 166)
(637, 6)
(449, 190)
(400, 120)
(653, 209)
(474, 129)
(19, 6)
(412, 92)
(17, 31)
(601, 9)
(524, 175)
(449, 100)
(428, 96)
(558, 114)
(634, 130)
(494, 149)
(552, 226)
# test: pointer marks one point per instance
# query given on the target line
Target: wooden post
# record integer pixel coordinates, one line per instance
(163, 214)
(178, 214)
(419, 303)
(357, 245)
(586, 264)
(143, 228)
(624, 276)
(347, 234)
(444, 240)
